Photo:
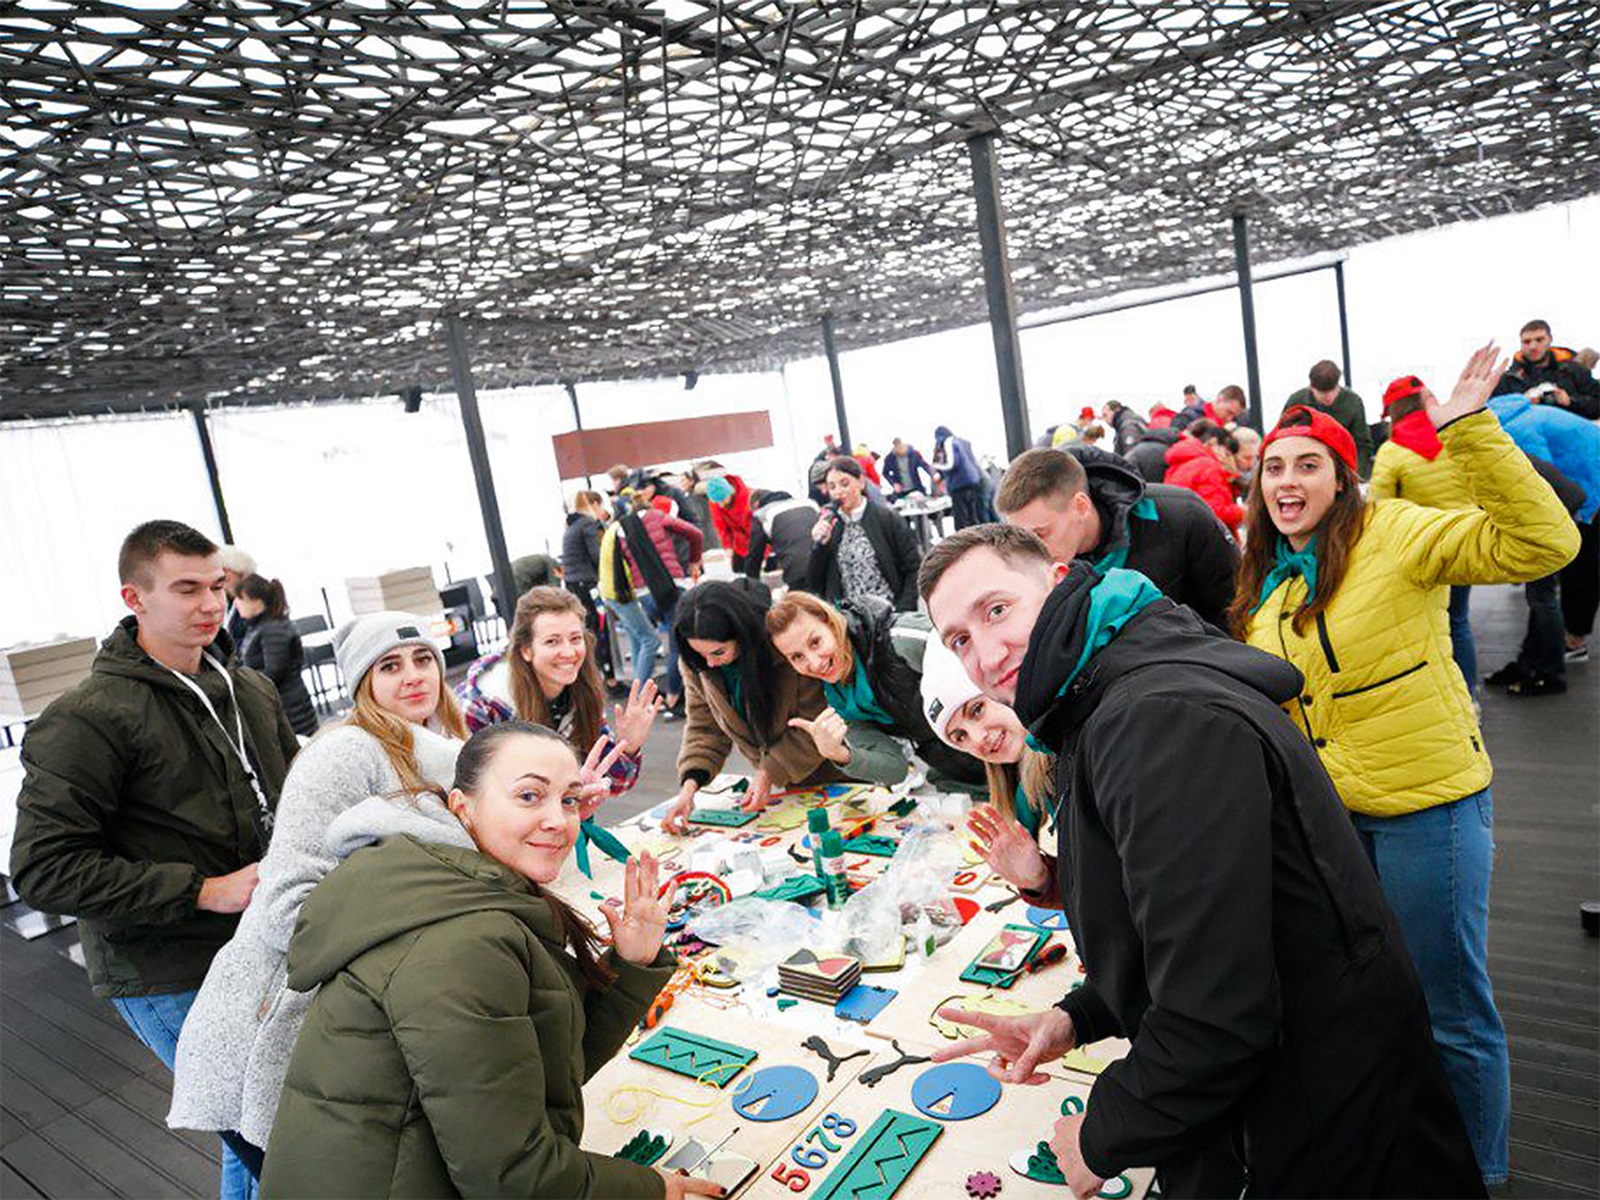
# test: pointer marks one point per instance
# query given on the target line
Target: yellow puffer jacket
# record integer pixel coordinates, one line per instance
(1384, 703)
(1401, 474)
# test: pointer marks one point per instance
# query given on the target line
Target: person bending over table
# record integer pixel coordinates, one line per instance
(740, 693)
(869, 659)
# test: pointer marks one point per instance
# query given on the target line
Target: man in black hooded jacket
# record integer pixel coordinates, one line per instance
(1087, 503)
(1230, 924)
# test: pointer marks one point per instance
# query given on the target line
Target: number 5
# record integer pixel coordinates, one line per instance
(797, 1179)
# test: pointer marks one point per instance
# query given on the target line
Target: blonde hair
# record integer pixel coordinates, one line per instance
(393, 733)
(785, 612)
(527, 697)
(1035, 772)
(589, 503)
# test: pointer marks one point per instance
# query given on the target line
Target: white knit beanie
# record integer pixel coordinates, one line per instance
(945, 687)
(361, 642)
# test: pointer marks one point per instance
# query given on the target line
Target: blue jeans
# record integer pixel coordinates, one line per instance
(643, 642)
(665, 618)
(1463, 649)
(156, 1021)
(1434, 866)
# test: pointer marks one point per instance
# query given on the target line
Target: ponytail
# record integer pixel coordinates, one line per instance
(271, 594)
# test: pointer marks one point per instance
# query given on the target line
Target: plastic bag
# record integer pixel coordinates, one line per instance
(755, 934)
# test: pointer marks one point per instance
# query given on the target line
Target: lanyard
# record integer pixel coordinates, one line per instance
(238, 747)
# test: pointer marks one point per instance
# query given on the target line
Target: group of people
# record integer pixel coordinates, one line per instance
(1270, 797)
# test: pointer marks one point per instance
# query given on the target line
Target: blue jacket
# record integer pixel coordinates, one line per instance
(963, 470)
(1559, 437)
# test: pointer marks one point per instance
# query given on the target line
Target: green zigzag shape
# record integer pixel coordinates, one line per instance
(892, 1167)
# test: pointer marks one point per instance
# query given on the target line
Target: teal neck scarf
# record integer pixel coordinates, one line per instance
(1288, 563)
(1027, 815)
(1117, 556)
(853, 698)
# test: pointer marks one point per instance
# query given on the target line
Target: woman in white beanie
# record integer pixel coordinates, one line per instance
(1006, 830)
(402, 735)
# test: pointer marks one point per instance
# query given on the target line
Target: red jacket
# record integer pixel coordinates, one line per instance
(732, 520)
(661, 527)
(1160, 416)
(1190, 464)
(869, 468)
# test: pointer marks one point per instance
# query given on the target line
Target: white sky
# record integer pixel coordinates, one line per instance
(321, 494)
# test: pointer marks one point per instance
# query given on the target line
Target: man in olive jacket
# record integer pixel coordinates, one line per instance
(141, 813)
(1343, 405)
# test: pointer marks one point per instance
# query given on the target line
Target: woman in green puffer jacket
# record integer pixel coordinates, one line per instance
(462, 1007)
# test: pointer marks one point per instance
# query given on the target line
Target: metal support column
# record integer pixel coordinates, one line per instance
(505, 589)
(203, 431)
(997, 286)
(577, 422)
(1247, 311)
(832, 352)
(1344, 322)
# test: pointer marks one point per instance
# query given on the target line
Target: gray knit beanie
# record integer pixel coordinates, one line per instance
(361, 642)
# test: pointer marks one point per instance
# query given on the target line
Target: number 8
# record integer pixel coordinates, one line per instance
(841, 1126)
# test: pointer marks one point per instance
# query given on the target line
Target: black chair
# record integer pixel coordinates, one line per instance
(317, 657)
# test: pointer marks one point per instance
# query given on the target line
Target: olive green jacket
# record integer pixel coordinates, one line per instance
(448, 1046)
(131, 797)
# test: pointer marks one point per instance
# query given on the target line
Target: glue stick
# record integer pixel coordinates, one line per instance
(816, 826)
(835, 886)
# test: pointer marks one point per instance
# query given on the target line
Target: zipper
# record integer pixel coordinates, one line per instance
(1299, 696)
(1327, 644)
(1412, 670)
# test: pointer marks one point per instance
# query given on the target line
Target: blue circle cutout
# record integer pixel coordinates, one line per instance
(1052, 919)
(775, 1094)
(955, 1092)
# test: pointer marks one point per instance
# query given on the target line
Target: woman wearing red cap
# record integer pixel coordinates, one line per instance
(1354, 595)
(1414, 465)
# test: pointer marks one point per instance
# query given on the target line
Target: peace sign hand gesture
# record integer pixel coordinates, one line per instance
(639, 921)
(1018, 1044)
(593, 786)
(829, 732)
(1472, 390)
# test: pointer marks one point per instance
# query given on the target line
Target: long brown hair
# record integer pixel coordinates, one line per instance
(527, 697)
(394, 733)
(580, 936)
(785, 612)
(1337, 535)
(1036, 773)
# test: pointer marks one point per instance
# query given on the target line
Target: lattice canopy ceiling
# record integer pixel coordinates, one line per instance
(263, 200)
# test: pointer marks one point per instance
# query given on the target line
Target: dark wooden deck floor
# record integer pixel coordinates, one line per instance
(82, 1103)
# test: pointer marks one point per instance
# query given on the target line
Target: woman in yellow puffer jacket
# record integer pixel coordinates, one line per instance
(1354, 595)
(1414, 465)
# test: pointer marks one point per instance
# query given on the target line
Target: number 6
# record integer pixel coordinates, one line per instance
(815, 1159)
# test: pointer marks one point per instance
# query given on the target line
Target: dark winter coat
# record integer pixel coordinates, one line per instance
(917, 470)
(131, 798)
(273, 647)
(897, 686)
(1184, 550)
(447, 1049)
(783, 525)
(1148, 455)
(892, 542)
(580, 549)
(1129, 427)
(1231, 926)
(534, 570)
(1560, 367)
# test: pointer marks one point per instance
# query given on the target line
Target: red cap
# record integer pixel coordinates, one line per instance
(1087, 414)
(1301, 421)
(1406, 385)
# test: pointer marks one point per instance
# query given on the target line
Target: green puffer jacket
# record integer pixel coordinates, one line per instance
(131, 797)
(447, 1049)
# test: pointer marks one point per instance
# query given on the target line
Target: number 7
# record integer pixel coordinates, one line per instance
(816, 1135)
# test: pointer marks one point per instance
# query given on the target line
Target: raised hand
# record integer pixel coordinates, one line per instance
(639, 921)
(632, 724)
(829, 732)
(1018, 1044)
(1472, 390)
(593, 786)
(1007, 848)
(1069, 1156)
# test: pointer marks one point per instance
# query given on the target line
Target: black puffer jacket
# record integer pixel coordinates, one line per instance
(1129, 428)
(897, 685)
(893, 545)
(1167, 533)
(580, 549)
(1562, 368)
(1149, 454)
(1230, 923)
(273, 647)
(782, 525)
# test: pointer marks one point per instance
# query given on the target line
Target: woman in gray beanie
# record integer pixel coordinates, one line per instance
(402, 735)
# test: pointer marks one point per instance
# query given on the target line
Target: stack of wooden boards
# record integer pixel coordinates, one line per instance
(33, 675)
(410, 590)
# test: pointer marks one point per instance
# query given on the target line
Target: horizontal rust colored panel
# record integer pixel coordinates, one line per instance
(595, 451)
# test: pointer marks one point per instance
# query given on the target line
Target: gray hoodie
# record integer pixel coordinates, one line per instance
(236, 1041)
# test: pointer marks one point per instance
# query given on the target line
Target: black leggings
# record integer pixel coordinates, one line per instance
(1580, 582)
